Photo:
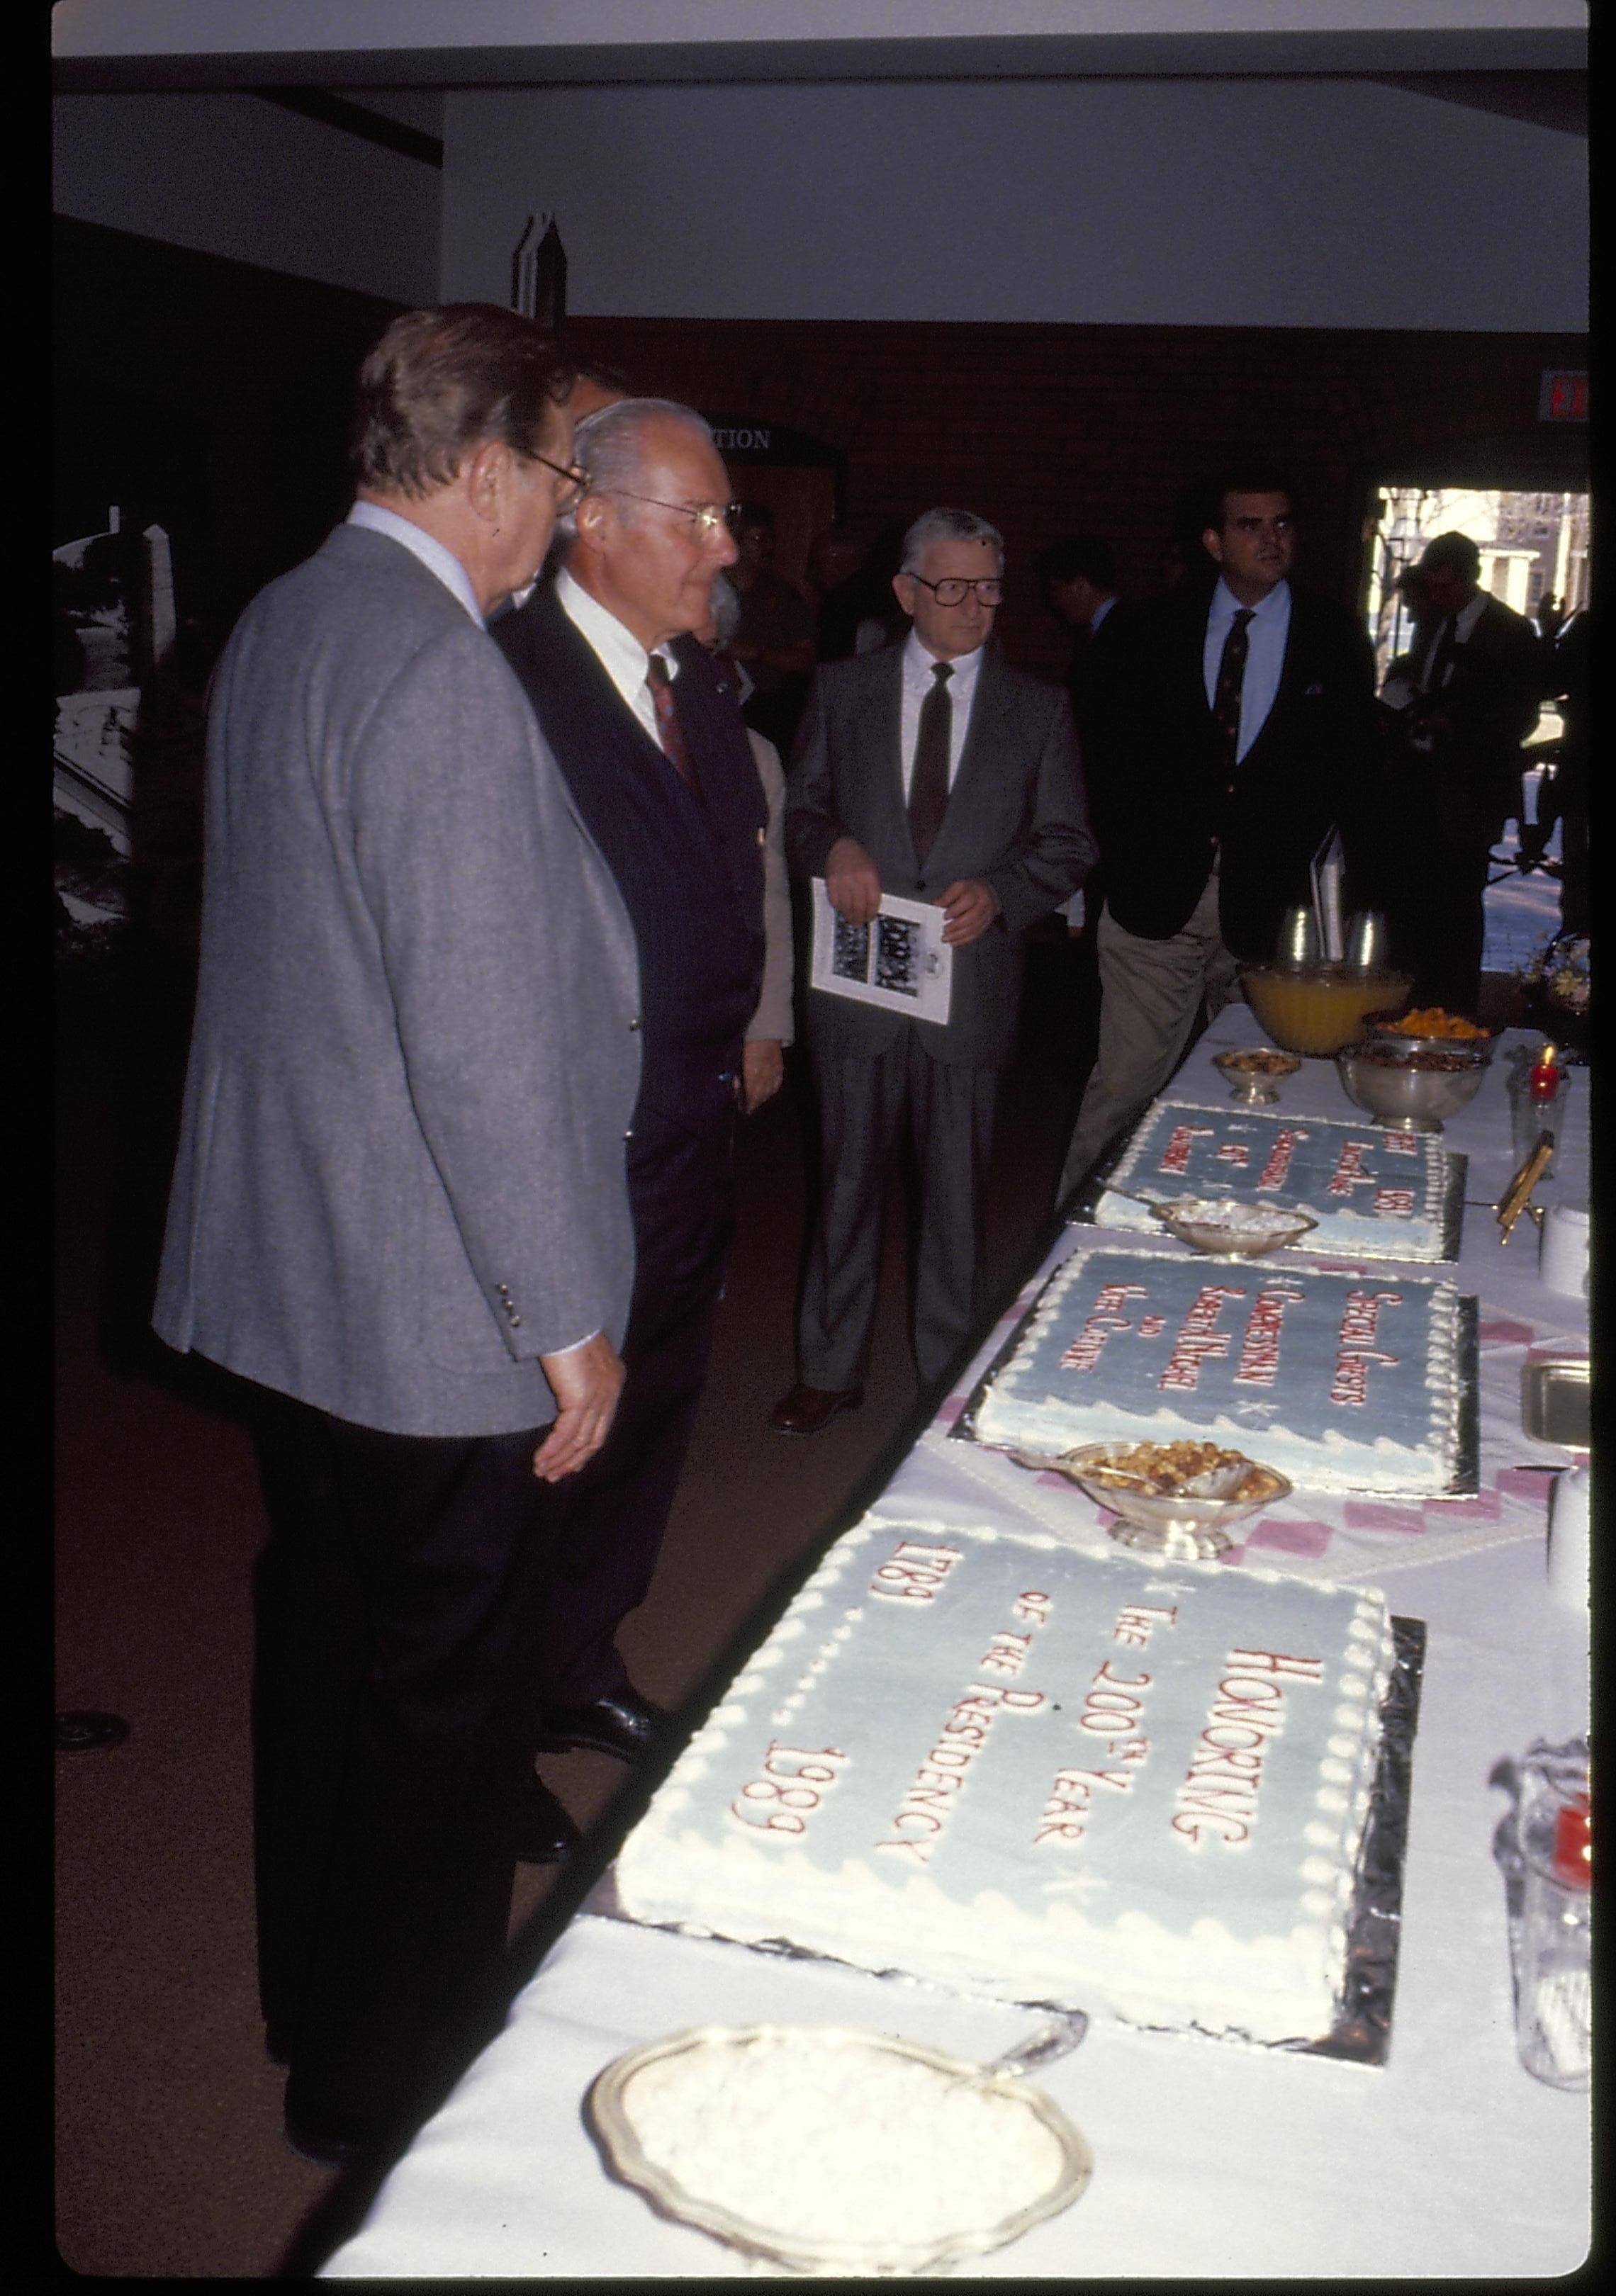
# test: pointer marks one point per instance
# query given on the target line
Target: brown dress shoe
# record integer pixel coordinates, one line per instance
(806, 1409)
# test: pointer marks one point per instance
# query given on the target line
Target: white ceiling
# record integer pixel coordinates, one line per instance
(147, 44)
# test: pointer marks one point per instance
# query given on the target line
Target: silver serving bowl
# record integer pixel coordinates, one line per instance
(1255, 1087)
(610, 2108)
(1226, 1227)
(1404, 1097)
(1379, 1028)
(1182, 1525)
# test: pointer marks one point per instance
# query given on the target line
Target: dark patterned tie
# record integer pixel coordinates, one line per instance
(670, 733)
(1226, 698)
(929, 781)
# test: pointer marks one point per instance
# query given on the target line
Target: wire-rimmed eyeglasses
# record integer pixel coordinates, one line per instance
(952, 589)
(708, 519)
(576, 486)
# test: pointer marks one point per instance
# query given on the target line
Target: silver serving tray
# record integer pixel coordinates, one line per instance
(1556, 1400)
(608, 2107)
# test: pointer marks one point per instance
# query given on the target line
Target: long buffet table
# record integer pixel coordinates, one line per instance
(1210, 2157)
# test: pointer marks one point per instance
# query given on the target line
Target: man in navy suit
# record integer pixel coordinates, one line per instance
(648, 735)
(1238, 727)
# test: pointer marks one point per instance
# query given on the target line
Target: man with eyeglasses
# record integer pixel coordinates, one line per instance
(398, 1211)
(1237, 726)
(647, 730)
(932, 770)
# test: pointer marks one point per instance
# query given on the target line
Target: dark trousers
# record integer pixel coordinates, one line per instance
(397, 1602)
(866, 1106)
(612, 1515)
(1439, 929)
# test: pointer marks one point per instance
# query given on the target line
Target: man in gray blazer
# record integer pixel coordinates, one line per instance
(399, 1209)
(934, 771)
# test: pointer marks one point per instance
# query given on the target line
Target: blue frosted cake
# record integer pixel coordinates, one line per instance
(1040, 1775)
(1341, 1383)
(1374, 1193)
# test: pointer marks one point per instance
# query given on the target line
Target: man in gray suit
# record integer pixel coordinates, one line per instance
(399, 1209)
(934, 771)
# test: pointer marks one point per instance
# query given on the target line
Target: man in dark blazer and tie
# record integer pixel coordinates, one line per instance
(398, 1210)
(1238, 727)
(934, 771)
(1481, 677)
(648, 732)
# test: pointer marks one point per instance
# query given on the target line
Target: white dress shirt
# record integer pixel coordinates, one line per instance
(436, 556)
(917, 683)
(618, 652)
(1266, 635)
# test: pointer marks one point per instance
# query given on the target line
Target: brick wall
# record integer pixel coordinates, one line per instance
(1048, 430)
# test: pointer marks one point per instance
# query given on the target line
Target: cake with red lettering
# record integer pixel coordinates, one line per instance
(1375, 1194)
(1043, 1776)
(1343, 1383)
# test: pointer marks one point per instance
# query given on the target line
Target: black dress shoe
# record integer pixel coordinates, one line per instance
(627, 1725)
(546, 1835)
(329, 2144)
(806, 1409)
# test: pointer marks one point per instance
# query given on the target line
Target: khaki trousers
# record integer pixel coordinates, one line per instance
(1151, 995)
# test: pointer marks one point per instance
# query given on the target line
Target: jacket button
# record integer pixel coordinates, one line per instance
(634, 1023)
(762, 839)
(629, 1134)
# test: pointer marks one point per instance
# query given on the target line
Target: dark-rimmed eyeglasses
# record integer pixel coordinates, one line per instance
(708, 519)
(952, 589)
(576, 477)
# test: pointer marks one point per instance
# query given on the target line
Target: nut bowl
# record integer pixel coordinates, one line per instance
(1413, 1091)
(1190, 1524)
(1229, 1229)
(1251, 1075)
(1316, 1009)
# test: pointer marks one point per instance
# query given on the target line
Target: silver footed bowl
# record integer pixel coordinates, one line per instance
(1228, 1228)
(1383, 1027)
(1404, 1094)
(1191, 1523)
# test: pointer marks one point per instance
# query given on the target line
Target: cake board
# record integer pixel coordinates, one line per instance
(1082, 1207)
(1361, 2033)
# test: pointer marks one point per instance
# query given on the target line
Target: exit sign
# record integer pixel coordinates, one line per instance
(1562, 396)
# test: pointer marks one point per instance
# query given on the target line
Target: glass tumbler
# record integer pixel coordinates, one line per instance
(1553, 2013)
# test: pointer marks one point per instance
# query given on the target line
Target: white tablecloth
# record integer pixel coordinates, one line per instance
(1211, 2158)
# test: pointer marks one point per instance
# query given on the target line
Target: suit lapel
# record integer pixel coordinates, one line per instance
(880, 734)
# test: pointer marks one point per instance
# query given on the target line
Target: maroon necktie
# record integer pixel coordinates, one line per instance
(670, 733)
(1226, 698)
(928, 778)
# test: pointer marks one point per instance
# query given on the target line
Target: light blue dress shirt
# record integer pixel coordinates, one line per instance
(433, 554)
(1266, 635)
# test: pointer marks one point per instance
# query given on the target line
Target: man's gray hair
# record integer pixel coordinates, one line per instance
(946, 526)
(611, 444)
